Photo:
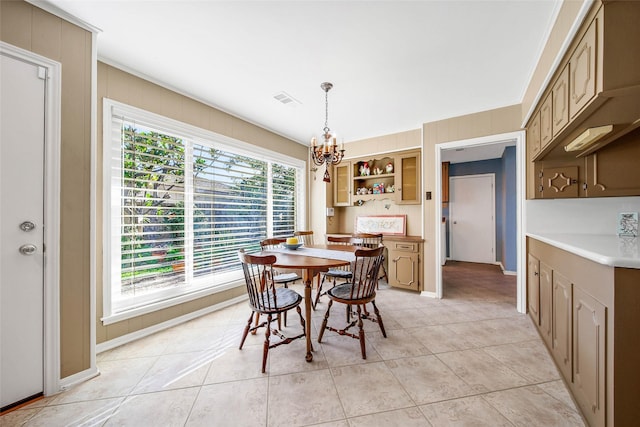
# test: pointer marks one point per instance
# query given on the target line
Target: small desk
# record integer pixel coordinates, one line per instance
(310, 265)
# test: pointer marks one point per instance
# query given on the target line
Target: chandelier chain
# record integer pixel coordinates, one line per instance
(327, 153)
(326, 112)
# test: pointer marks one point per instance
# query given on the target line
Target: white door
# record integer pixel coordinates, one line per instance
(22, 124)
(472, 218)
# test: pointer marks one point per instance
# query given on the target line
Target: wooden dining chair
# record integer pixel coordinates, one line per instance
(333, 274)
(268, 299)
(373, 240)
(304, 237)
(360, 291)
(279, 278)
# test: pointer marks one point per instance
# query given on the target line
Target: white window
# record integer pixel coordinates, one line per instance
(179, 204)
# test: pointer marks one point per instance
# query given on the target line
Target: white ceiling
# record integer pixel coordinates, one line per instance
(394, 64)
(475, 153)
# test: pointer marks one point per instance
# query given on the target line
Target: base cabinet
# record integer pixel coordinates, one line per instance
(404, 264)
(589, 348)
(587, 315)
(561, 316)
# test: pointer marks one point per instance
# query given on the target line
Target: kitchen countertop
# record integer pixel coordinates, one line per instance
(606, 249)
(386, 237)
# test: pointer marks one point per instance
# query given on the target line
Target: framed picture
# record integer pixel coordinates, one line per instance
(628, 224)
(395, 225)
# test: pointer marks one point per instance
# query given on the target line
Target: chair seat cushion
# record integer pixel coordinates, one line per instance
(286, 299)
(286, 277)
(343, 292)
(338, 273)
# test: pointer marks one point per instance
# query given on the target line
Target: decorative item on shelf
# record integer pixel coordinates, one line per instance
(378, 188)
(391, 189)
(327, 153)
(377, 171)
(361, 190)
(364, 169)
(389, 167)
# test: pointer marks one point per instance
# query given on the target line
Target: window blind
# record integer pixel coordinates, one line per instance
(180, 203)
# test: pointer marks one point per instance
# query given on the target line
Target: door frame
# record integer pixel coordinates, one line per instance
(51, 282)
(493, 209)
(519, 138)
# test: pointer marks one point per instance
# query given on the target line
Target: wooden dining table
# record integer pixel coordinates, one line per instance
(312, 262)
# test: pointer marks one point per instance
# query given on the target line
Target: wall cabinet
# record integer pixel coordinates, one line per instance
(558, 182)
(587, 316)
(546, 133)
(582, 72)
(614, 171)
(394, 176)
(404, 263)
(533, 137)
(609, 172)
(408, 179)
(597, 83)
(560, 102)
(342, 184)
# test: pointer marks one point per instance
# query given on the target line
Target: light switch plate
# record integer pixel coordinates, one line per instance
(330, 212)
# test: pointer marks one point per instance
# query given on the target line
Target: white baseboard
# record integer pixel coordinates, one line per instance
(72, 380)
(428, 294)
(124, 339)
(506, 272)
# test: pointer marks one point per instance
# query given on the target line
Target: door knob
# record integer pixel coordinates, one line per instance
(28, 249)
(27, 226)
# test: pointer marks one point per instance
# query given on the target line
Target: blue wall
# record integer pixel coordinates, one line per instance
(510, 204)
(504, 170)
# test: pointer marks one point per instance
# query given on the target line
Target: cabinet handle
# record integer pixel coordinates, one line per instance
(535, 273)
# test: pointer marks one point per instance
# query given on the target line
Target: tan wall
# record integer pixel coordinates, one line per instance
(566, 17)
(493, 122)
(344, 219)
(33, 29)
(123, 87)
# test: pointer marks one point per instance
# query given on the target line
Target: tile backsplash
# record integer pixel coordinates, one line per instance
(583, 216)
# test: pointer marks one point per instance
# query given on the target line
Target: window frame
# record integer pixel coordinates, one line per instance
(190, 134)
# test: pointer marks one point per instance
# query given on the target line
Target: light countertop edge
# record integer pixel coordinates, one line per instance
(604, 249)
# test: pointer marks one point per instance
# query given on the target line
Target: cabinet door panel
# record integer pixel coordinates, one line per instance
(561, 323)
(533, 288)
(613, 170)
(533, 137)
(409, 179)
(545, 301)
(582, 72)
(546, 134)
(403, 269)
(342, 184)
(560, 106)
(589, 345)
(560, 182)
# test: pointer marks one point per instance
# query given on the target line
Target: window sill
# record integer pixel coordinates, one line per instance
(169, 302)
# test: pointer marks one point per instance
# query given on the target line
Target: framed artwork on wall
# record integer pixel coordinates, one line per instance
(394, 225)
(628, 224)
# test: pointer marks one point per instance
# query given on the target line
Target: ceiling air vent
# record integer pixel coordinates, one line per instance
(285, 98)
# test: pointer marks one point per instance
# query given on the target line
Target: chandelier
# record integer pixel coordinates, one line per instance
(326, 153)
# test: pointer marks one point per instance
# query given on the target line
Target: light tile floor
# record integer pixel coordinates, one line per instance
(467, 360)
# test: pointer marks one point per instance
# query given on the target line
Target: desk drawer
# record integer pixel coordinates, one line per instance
(403, 246)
